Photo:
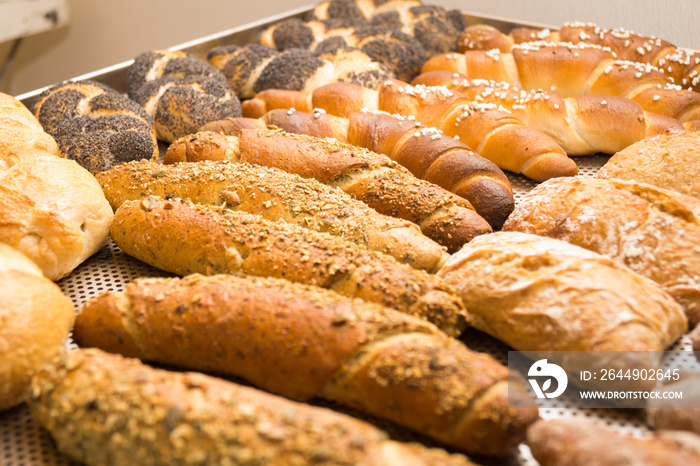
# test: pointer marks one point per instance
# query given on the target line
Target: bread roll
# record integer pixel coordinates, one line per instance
(52, 210)
(303, 342)
(541, 294)
(674, 413)
(20, 129)
(102, 409)
(574, 442)
(184, 238)
(275, 195)
(653, 231)
(670, 161)
(35, 318)
(95, 125)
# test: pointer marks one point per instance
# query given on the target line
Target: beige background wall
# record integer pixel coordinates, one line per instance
(106, 32)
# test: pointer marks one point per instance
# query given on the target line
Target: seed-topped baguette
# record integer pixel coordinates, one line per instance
(275, 194)
(183, 238)
(375, 179)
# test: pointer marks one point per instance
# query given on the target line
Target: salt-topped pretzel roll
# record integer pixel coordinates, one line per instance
(374, 179)
(682, 65)
(543, 294)
(581, 125)
(424, 151)
(179, 91)
(670, 161)
(275, 194)
(254, 68)
(653, 231)
(161, 417)
(95, 125)
(325, 345)
(436, 28)
(52, 210)
(20, 129)
(489, 130)
(402, 54)
(571, 70)
(183, 238)
(575, 442)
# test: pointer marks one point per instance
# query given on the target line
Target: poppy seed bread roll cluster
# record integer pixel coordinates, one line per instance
(95, 125)
(179, 91)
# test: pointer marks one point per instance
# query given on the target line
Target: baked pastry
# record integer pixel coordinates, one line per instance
(653, 231)
(669, 161)
(51, 209)
(303, 342)
(400, 53)
(575, 69)
(275, 195)
(95, 125)
(161, 417)
(36, 318)
(542, 294)
(179, 91)
(575, 442)
(490, 130)
(254, 68)
(183, 238)
(581, 125)
(374, 179)
(664, 413)
(424, 151)
(681, 65)
(435, 28)
(20, 129)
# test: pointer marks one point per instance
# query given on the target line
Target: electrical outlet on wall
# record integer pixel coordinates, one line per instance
(20, 18)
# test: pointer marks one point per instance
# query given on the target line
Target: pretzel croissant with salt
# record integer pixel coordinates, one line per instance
(573, 70)
(680, 64)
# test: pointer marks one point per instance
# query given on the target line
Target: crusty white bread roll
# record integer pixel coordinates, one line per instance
(670, 161)
(35, 319)
(51, 209)
(19, 128)
(653, 231)
(667, 413)
(542, 294)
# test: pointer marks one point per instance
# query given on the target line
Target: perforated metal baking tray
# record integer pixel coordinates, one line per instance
(24, 443)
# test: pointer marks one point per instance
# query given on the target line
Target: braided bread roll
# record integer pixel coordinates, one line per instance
(325, 345)
(255, 67)
(436, 28)
(179, 91)
(573, 70)
(20, 129)
(679, 64)
(581, 125)
(95, 125)
(275, 194)
(184, 238)
(424, 151)
(374, 179)
(162, 417)
(402, 54)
